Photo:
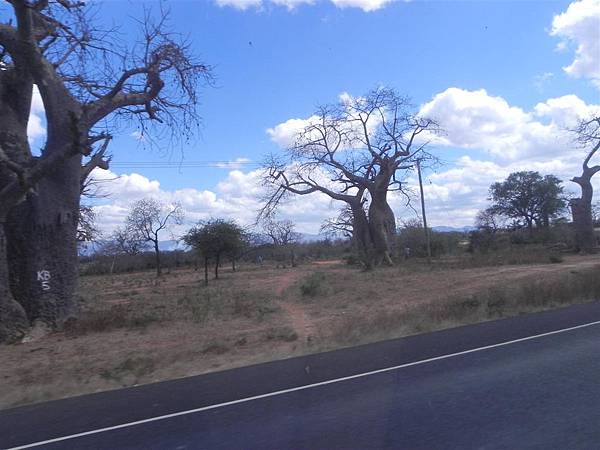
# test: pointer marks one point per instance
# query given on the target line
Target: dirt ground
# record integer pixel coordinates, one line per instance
(135, 329)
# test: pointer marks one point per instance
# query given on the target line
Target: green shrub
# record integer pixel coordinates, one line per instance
(313, 285)
(555, 258)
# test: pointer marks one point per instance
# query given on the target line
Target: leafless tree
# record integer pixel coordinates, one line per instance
(281, 232)
(147, 219)
(588, 137)
(125, 241)
(356, 152)
(340, 225)
(87, 230)
(92, 85)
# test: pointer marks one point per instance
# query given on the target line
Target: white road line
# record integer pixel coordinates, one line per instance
(300, 388)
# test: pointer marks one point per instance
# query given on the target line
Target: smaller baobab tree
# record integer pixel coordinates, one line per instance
(148, 218)
(588, 137)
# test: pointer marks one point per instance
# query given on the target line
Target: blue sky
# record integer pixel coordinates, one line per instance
(273, 63)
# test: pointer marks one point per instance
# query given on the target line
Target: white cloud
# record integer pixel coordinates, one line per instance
(542, 80)
(240, 4)
(365, 5)
(237, 197)
(285, 133)
(580, 24)
(514, 140)
(291, 4)
(477, 120)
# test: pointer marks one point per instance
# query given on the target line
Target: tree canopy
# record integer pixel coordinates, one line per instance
(528, 198)
(214, 239)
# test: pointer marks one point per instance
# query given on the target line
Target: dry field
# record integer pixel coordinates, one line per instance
(135, 329)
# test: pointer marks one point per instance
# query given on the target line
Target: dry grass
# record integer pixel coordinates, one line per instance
(134, 329)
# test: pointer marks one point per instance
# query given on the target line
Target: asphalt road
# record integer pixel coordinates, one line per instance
(527, 382)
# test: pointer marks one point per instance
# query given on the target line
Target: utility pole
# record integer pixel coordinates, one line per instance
(427, 239)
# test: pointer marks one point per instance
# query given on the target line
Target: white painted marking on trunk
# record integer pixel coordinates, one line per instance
(301, 388)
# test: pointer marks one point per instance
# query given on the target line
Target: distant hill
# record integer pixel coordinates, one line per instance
(90, 248)
(444, 229)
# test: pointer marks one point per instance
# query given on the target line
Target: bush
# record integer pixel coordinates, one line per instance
(555, 258)
(313, 285)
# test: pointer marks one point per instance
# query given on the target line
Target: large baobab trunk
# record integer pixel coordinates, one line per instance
(588, 134)
(581, 208)
(382, 223)
(43, 249)
(361, 234)
(585, 239)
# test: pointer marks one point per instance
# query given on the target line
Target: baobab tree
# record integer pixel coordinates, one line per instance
(91, 86)
(356, 152)
(588, 137)
(281, 232)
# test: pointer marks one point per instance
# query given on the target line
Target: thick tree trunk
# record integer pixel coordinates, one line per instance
(585, 239)
(42, 247)
(382, 224)
(581, 208)
(217, 262)
(361, 234)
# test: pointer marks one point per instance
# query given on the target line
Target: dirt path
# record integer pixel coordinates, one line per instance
(300, 320)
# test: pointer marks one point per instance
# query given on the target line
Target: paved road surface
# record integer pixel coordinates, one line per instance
(528, 382)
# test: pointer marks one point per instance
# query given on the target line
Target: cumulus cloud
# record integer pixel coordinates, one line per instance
(237, 197)
(480, 121)
(365, 5)
(284, 134)
(580, 24)
(506, 138)
(240, 4)
(291, 4)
